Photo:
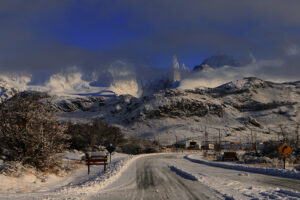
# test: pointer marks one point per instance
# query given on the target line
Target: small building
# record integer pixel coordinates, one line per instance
(211, 146)
(192, 144)
(208, 145)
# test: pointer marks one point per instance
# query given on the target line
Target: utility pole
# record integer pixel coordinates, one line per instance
(219, 145)
(269, 130)
(297, 136)
(282, 132)
(206, 134)
(273, 137)
(219, 137)
(252, 139)
(206, 141)
(255, 145)
(176, 142)
(240, 146)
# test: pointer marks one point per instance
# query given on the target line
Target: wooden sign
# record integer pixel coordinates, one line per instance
(285, 149)
(96, 158)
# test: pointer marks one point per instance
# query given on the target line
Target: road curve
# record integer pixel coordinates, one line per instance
(151, 178)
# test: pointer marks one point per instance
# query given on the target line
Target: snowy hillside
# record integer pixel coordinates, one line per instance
(10, 84)
(6, 91)
(236, 107)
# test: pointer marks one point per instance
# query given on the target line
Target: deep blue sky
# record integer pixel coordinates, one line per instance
(45, 36)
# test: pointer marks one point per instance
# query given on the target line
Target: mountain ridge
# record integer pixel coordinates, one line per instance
(250, 103)
(236, 107)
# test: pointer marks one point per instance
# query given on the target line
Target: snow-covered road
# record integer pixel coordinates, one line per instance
(151, 178)
(170, 176)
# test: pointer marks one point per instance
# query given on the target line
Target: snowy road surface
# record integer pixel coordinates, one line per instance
(165, 176)
(152, 178)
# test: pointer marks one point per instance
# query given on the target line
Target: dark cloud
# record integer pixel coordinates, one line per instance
(45, 36)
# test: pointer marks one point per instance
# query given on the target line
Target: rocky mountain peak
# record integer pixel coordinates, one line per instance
(217, 61)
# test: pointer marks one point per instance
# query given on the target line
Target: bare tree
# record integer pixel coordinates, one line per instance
(89, 135)
(29, 131)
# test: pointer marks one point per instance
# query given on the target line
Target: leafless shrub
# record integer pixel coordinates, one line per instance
(270, 149)
(29, 132)
(135, 145)
(90, 135)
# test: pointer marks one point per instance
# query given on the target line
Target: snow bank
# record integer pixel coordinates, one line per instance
(261, 170)
(98, 182)
(184, 174)
(232, 189)
(95, 183)
(77, 185)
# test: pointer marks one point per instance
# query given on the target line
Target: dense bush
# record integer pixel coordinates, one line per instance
(252, 159)
(90, 135)
(29, 132)
(135, 145)
(270, 149)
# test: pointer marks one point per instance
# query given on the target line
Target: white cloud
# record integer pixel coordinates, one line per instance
(15, 80)
(69, 83)
(293, 50)
(272, 70)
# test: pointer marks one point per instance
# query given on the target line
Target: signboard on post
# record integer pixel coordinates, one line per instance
(95, 158)
(285, 149)
(110, 149)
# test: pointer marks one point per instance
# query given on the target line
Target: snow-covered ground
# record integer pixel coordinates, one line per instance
(152, 176)
(76, 183)
(198, 158)
(235, 184)
(231, 188)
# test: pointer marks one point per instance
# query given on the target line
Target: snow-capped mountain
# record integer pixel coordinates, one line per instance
(10, 84)
(6, 91)
(217, 61)
(236, 107)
